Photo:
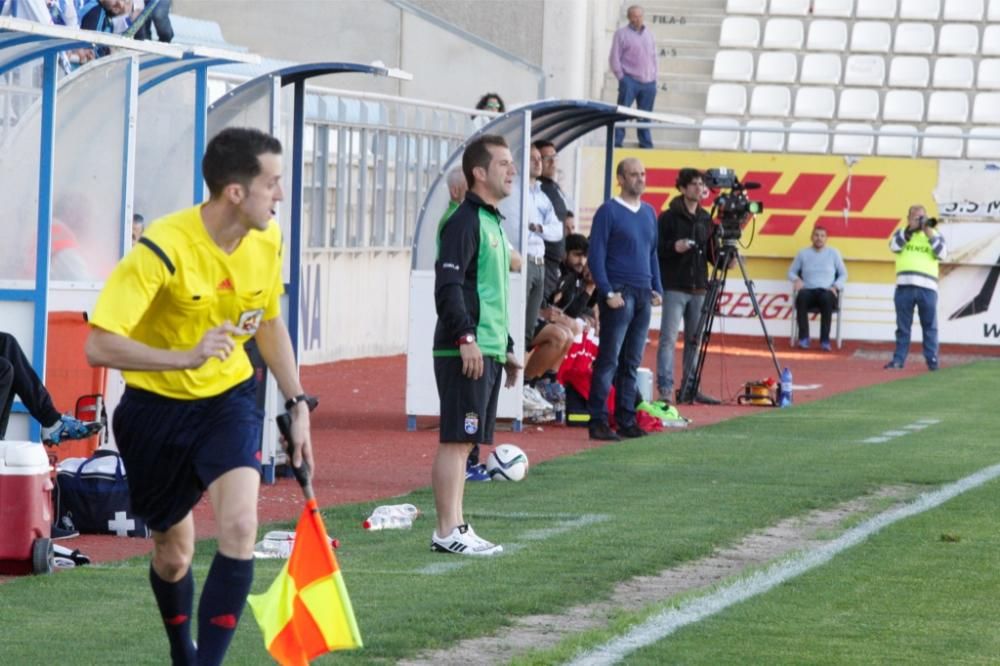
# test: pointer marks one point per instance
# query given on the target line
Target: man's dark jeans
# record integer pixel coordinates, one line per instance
(644, 95)
(17, 377)
(622, 341)
(806, 299)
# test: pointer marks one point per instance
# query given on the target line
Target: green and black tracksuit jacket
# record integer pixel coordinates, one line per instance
(471, 281)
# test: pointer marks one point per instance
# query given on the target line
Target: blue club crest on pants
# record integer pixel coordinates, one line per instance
(471, 423)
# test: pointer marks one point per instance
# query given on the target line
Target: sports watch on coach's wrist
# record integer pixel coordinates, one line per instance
(611, 294)
(311, 401)
(466, 339)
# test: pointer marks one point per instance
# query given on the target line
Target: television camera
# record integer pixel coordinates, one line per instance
(732, 209)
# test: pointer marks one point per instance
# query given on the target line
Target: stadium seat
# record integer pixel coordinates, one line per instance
(746, 6)
(827, 35)
(959, 39)
(914, 38)
(726, 98)
(789, 7)
(837, 8)
(963, 10)
(986, 108)
(953, 73)
(941, 147)
(773, 101)
(991, 40)
(727, 137)
(947, 106)
(871, 36)
(853, 144)
(864, 70)
(783, 33)
(876, 9)
(733, 66)
(989, 74)
(909, 72)
(821, 69)
(989, 148)
(993, 11)
(768, 142)
(814, 102)
(858, 104)
(903, 105)
(739, 32)
(902, 146)
(920, 10)
(777, 67)
(808, 142)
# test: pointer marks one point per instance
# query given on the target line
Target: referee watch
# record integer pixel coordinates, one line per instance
(310, 400)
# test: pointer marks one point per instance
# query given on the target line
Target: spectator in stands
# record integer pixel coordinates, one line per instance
(543, 225)
(633, 62)
(685, 252)
(160, 18)
(138, 225)
(555, 251)
(488, 102)
(472, 343)
(18, 378)
(97, 15)
(50, 12)
(919, 249)
(623, 261)
(818, 275)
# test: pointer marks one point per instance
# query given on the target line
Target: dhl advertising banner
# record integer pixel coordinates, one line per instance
(860, 202)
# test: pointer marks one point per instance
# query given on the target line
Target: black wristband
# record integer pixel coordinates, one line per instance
(310, 401)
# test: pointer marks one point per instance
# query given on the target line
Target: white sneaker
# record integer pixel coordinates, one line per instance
(464, 541)
(532, 396)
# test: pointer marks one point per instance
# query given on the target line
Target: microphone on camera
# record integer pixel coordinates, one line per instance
(751, 186)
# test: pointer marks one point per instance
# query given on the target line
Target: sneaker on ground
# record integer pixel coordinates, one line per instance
(552, 392)
(825, 346)
(464, 541)
(68, 427)
(804, 343)
(476, 473)
(532, 395)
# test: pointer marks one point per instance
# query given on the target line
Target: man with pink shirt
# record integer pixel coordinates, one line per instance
(633, 62)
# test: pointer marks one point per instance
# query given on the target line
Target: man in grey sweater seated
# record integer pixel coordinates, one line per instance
(818, 274)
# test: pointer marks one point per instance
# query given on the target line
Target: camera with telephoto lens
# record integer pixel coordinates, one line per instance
(928, 222)
(733, 208)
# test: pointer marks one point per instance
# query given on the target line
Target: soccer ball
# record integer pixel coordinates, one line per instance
(507, 463)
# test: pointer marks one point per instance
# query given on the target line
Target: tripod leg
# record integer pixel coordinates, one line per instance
(756, 309)
(716, 286)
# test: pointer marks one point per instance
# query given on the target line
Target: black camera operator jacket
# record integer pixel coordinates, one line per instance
(687, 271)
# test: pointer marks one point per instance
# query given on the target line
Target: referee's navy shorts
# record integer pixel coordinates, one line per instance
(174, 449)
(468, 406)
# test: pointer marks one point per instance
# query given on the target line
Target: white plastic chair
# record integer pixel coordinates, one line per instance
(814, 102)
(821, 69)
(853, 144)
(991, 40)
(989, 148)
(726, 98)
(746, 6)
(858, 104)
(986, 108)
(909, 72)
(914, 38)
(941, 147)
(871, 36)
(876, 9)
(807, 143)
(733, 66)
(726, 137)
(783, 33)
(953, 73)
(836, 8)
(777, 67)
(827, 35)
(988, 76)
(864, 70)
(789, 7)
(920, 10)
(903, 105)
(948, 106)
(773, 101)
(739, 32)
(993, 11)
(901, 146)
(959, 39)
(963, 10)
(764, 142)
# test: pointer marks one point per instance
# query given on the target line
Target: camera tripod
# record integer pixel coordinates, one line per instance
(728, 252)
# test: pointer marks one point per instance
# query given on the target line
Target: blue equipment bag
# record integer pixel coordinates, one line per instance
(93, 493)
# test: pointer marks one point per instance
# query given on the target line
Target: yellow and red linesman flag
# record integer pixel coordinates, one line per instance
(306, 612)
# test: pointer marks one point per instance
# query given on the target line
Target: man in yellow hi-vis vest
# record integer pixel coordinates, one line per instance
(919, 249)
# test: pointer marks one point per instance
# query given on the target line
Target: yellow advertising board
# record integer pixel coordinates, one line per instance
(860, 202)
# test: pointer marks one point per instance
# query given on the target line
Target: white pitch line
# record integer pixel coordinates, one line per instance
(668, 621)
(906, 430)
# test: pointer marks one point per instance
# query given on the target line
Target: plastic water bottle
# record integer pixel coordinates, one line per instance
(392, 517)
(785, 388)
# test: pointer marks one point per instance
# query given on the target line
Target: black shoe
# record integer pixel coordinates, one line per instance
(602, 432)
(703, 399)
(632, 431)
(892, 365)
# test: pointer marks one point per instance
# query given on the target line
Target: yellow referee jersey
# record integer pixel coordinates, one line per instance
(176, 283)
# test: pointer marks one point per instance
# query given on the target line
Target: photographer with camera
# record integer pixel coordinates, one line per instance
(919, 249)
(684, 250)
